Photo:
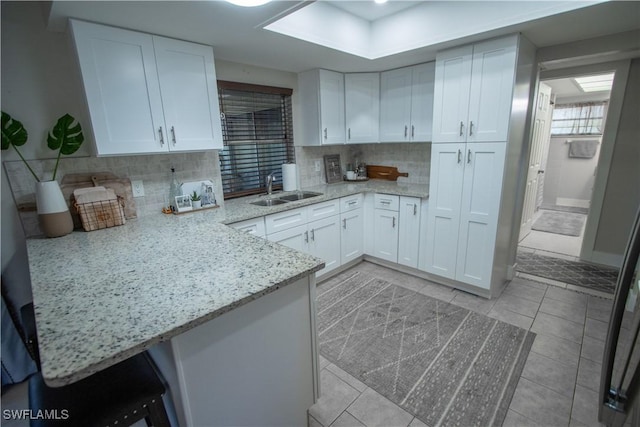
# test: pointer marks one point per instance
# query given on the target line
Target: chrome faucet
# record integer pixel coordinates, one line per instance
(270, 179)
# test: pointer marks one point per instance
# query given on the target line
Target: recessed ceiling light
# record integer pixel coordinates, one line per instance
(601, 82)
(380, 1)
(248, 3)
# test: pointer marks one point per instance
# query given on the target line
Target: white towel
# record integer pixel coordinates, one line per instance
(583, 149)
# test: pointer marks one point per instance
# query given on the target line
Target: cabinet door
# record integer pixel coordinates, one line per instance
(395, 105)
(121, 86)
(324, 242)
(352, 235)
(451, 94)
(480, 205)
(423, 76)
(253, 226)
(409, 231)
(332, 107)
(445, 192)
(189, 94)
(491, 90)
(385, 235)
(362, 107)
(294, 238)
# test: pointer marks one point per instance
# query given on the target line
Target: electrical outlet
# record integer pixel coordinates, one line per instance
(318, 164)
(137, 188)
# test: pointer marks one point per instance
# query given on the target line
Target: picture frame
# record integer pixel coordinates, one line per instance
(332, 168)
(183, 203)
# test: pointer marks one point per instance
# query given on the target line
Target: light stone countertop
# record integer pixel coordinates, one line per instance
(236, 210)
(101, 297)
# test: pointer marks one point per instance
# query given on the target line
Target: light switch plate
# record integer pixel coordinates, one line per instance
(137, 188)
(318, 165)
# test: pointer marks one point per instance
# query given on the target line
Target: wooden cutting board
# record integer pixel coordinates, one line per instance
(121, 186)
(384, 172)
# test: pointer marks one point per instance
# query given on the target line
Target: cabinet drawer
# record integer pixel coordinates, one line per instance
(284, 220)
(323, 210)
(350, 203)
(386, 201)
(253, 226)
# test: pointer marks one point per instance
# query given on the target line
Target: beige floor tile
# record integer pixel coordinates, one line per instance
(552, 325)
(501, 312)
(541, 404)
(522, 288)
(336, 396)
(348, 378)
(566, 310)
(568, 296)
(585, 406)
(558, 349)
(596, 329)
(313, 422)
(589, 374)
(347, 420)
(518, 305)
(473, 303)
(599, 309)
(374, 410)
(592, 349)
(550, 373)
(514, 419)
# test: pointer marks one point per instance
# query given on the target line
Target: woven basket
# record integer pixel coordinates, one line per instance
(99, 208)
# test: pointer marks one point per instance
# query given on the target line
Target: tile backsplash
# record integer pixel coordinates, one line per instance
(411, 158)
(155, 171)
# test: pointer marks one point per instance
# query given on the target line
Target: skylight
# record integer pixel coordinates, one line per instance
(599, 83)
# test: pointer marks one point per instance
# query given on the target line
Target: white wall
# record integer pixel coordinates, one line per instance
(568, 179)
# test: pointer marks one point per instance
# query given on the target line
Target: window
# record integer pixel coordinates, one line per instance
(257, 129)
(578, 119)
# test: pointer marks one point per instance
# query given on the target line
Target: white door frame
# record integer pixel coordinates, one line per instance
(621, 69)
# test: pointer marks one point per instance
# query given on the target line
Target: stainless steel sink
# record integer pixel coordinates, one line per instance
(300, 195)
(268, 202)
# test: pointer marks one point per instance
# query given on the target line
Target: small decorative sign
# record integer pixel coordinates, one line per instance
(332, 168)
(183, 203)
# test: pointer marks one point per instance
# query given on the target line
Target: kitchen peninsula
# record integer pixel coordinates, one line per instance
(228, 317)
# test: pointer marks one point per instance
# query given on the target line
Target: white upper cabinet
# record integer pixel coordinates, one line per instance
(321, 95)
(362, 107)
(147, 94)
(406, 104)
(473, 91)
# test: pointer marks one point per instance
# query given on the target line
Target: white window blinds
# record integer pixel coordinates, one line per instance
(578, 119)
(257, 128)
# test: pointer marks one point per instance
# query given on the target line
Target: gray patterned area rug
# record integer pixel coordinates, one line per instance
(566, 223)
(444, 364)
(577, 273)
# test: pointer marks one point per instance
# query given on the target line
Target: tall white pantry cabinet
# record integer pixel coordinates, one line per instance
(475, 130)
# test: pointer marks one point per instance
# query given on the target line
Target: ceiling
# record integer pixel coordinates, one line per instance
(237, 33)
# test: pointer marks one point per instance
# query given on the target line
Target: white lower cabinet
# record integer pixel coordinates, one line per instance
(465, 191)
(352, 235)
(253, 226)
(385, 234)
(320, 238)
(409, 231)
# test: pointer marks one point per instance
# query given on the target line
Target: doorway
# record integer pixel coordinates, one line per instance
(568, 124)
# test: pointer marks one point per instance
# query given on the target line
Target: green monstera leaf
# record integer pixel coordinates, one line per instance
(13, 132)
(66, 136)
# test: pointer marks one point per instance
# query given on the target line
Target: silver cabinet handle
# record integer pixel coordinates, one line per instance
(173, 135)
(393, 224)
(406, 128)
(469, 156)
(161, 136)
(385, 202)
(413, 131)
(313, 235)
(325, 133)
(353, 202)
(415, 209)
(459, 155)
(306, 237)
(461, 127)
(470, 128)
(344, 223)
(349, 133)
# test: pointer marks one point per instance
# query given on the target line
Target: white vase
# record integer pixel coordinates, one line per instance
(196, 204)
(53, 213)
